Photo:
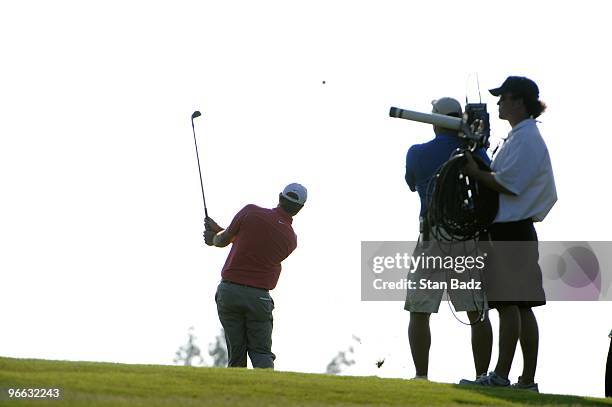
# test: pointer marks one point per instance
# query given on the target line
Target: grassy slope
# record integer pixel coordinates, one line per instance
(106, 384)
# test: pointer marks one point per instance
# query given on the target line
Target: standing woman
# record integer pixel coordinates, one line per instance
(522, 173)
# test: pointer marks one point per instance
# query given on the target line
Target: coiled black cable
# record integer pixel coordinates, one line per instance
(459, 208)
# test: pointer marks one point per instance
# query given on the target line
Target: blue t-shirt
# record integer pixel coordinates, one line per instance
(423, 161)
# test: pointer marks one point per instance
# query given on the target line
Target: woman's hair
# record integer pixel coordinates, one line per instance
(534, 106)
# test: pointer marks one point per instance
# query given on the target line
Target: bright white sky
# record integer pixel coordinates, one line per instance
(102, 257)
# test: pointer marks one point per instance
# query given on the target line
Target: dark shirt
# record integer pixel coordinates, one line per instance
(423, 161)
(263, 238)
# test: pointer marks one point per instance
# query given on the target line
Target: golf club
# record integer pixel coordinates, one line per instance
(193, 116)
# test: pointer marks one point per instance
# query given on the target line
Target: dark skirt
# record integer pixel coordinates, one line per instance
(513, 275)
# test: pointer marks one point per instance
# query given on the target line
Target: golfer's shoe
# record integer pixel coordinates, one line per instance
(490, 380)
(424, 378)
(471, 382)
(524, 386)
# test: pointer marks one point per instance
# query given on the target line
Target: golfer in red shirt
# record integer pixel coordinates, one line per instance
(261, 239)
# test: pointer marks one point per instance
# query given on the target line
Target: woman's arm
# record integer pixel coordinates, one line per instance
(487, 178)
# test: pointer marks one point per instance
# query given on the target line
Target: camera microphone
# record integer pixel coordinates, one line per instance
(473, 126)
(448, 122)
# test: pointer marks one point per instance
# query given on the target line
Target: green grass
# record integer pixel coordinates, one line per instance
(107, 384)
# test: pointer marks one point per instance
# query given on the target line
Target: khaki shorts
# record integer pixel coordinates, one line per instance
(428, 285)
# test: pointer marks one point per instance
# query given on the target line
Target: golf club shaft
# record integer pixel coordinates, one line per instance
(199, 169)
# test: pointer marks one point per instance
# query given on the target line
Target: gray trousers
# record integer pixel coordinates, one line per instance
(246, 316)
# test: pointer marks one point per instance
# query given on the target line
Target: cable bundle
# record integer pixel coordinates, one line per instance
(459, 209)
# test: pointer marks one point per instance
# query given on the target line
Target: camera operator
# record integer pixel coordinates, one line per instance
(522, 173)
(422, 163)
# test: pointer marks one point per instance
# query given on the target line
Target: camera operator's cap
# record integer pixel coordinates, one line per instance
(295, 193)
(518, 86)
(446, 106)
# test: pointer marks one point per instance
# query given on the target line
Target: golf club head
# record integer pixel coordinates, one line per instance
(196, 114)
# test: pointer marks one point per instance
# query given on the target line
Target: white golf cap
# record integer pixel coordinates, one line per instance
(446, 106)
(295, 193)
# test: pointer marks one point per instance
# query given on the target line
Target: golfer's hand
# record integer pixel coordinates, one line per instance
(470, 167)
(209, 237)
(210, 224)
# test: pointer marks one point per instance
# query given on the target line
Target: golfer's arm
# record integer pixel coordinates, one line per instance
(223, 238)
(487, 178)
